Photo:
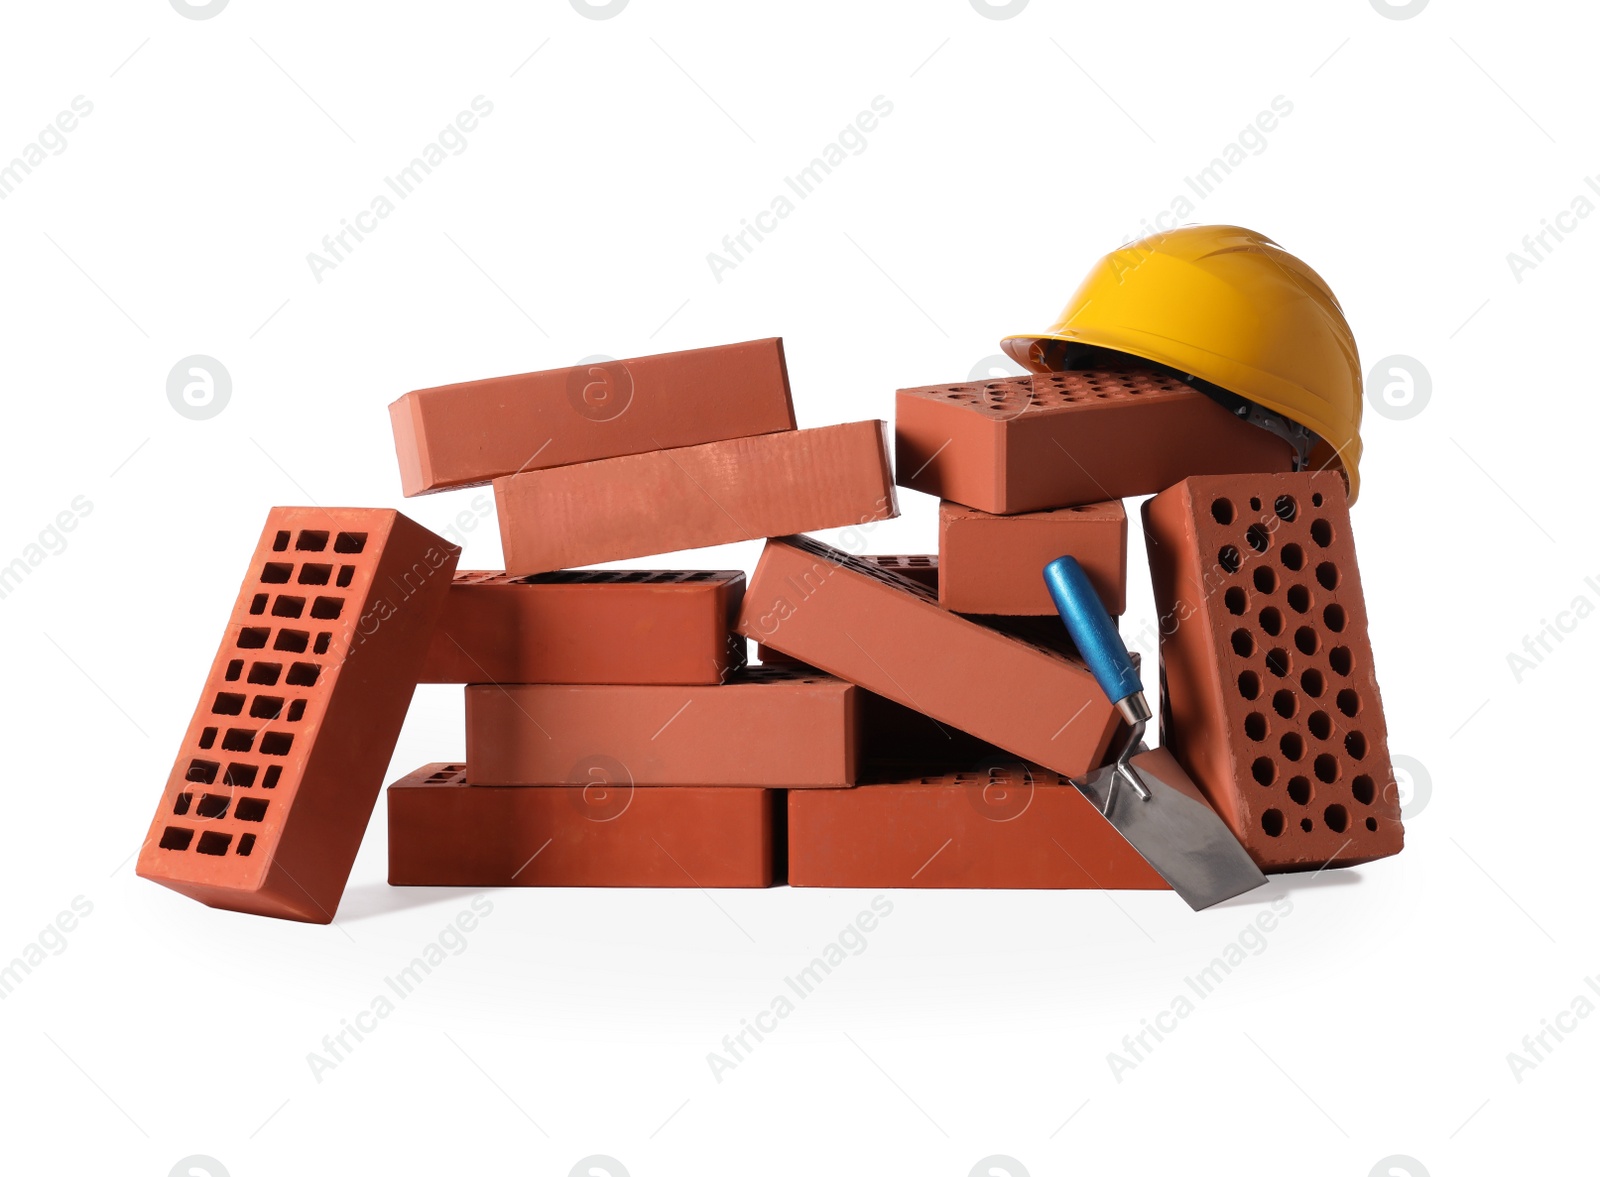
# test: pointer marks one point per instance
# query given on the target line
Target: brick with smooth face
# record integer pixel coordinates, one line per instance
(444, 832)
(469, 434)
(1064, 439)
(1271, 702)
(994, 564)
(769, 727)
(1009, 826)
(874, 628)
(283, 761)
(600, 626)
(924, 570)
(696, 497)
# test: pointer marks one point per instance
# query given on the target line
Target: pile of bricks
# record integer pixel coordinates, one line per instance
(911, 720)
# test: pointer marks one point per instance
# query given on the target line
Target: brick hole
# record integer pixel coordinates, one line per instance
(270, 779)
(1311, 683)
(176, 838)
(1300, 790)
(1299, 598)
(1255, 726)
(250, 809)
(292, 641)
(202, 772)
(1336, 817)
(208, 736)
(1305, 640)
(214, 842)
(1326, 767)
(327, 608)
(1249, 684)
(311, 541)
(180, 806)
(1272, 823)
(276, 743)
(1243, 644)
(275, 572)
(1327, 575)
(1355, 744)
(280, 542)
(1236, 601)
(1292, 745)
(1258, 537)
(1363, 789)
(314, 573)
(212, 806)
(288, 606)
(1333, 618)
(1271, 621)
(1349, 703)
(1319, 725)
(247, 843)
(1264, 770)
(320, 646)
(235, 669)
(1255, 502)
(1284, 703)
(253, 637)
(1266, 580)
(1229, 558)
(1372, 825)
(1316, 499)
(238, 739)
(296, 710)
(1322, 532)
(350, 543)
(1306, 824)
(1339, 659)
(227, 703)
(265, 707)
(264, 674)
(1285, 508)
(1278, 662)
(1293, 557)
(239, 776)
(258, 604)
(347, 573)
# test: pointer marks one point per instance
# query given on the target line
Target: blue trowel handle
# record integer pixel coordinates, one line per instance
(1091, 629)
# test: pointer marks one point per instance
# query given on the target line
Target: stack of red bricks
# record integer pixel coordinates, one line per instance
(912, 721)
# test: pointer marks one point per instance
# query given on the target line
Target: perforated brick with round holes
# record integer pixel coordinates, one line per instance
(1271, 702)
(300, 712)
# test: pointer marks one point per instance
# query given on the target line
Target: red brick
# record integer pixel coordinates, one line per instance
(469, 434)
(1063, 439)
(300, 712)
(995, 563)
(1007, 825)
(1271, 702)
(924, 570)
(876, 629)
(777, 727)
(670, 500)
(444, 832)
(615, 626)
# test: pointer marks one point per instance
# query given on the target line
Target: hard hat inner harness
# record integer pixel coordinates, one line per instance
(1300, 439)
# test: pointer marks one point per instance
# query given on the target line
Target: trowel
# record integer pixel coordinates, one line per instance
(1146, 794)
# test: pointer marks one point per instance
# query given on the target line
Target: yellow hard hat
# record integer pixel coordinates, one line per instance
(1231, 308)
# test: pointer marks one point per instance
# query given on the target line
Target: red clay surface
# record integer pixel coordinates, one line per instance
(994, 564)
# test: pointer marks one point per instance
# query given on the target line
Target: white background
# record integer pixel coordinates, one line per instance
(177, 220)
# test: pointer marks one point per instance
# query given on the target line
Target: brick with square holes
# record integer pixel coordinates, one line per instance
(695, 497)
(285, 755)
(1271, 701)
(777, 727)
(603, 626)
(469, 434)
(889, 635)
(1008, 825)
(994, 564)
(444, 832)
(1063, 439)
